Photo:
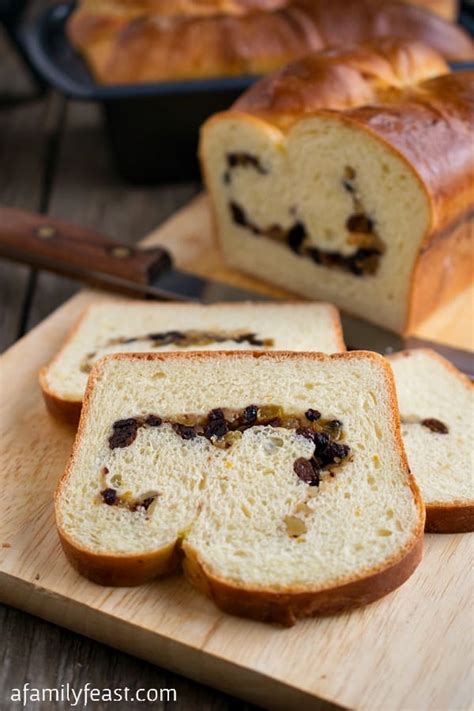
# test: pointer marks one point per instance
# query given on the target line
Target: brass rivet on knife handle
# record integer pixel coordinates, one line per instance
(120, 252)
(46, 232)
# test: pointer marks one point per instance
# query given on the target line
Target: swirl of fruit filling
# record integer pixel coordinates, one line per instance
(362, 235)
(179, 339)
(223, 427)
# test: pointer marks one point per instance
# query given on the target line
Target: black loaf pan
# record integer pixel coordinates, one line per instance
(152, 128)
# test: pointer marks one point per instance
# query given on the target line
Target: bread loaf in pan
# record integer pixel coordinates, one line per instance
(347, 176)
(155, 40)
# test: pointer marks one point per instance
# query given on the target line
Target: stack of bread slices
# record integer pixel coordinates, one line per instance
(273, 472)
(123, 326)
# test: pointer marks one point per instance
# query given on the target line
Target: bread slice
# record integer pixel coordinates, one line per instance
(279, 479)
(126, 326)
(437, 412)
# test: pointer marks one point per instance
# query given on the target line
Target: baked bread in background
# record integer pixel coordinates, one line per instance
(445, 8)
(153, 40)
(278, 480)
(130, 326)
(180, 8)
(437, 413)
(147, 48)
(347, 176)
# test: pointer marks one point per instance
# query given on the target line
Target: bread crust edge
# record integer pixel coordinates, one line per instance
(286, 607)
(68, 411)
(450, 518)
(122, 570)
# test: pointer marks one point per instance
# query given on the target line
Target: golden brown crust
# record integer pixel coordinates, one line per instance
(446, 263)
(286, 606)
(430, 125)
(345, 22)
(263, 604)
(69, 411)
(337, 326)
(450, 518)
(197, 8)
(147, 48)
(177, 8)
(342, 79)
(121, 570)
(453, 516)
(65, 410)
(155, 40)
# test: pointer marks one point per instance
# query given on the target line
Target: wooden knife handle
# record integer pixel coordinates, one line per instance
(48, 243)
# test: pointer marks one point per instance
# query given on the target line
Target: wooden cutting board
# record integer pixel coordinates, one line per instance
(411, 651)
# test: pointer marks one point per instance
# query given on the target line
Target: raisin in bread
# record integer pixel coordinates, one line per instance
(437, 412)
(348, 176)
(154, 40)
(126, 326)
(279, 478)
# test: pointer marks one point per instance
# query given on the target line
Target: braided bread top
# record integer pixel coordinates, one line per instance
(180, 8)
(340, 79)
(129, 41)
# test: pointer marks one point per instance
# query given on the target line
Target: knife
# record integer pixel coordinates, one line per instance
(87, 255)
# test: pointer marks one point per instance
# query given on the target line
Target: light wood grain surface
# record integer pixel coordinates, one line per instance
(411, 650)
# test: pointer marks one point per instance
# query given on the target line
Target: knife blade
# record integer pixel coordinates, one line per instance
(89, 256)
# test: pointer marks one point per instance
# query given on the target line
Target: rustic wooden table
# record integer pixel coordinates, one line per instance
(54, 160)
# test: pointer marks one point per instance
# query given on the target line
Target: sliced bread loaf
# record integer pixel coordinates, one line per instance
(335, 177)
(142, 326)
(437, 412)
(279, 479)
